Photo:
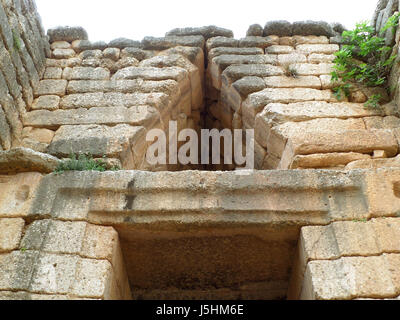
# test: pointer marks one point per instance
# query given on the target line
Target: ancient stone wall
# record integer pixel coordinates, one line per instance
(23, 47)
(275, 234)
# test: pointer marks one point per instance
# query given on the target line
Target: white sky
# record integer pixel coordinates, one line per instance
(134, 19)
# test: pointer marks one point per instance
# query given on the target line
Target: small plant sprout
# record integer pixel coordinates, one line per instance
(364, 59)
(84, 162)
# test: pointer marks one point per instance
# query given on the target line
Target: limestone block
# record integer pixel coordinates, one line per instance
(303, 111)
(114, 53)
(136, 115)
(349, 277)
(67, 34)
(255, 30)
(256, 41)
(151, 43)
(255, 102)
(207, 32)
(310, 39)
(63, 53)
(11, 233)
(236, 72)
(321, 58)
(279, 28)
(51, 87)
(326, 160)
(281, 133)
(94, 139)
(60, 45)
(86, 73)
(359, 141)
(38, 134)
(374, 163)
(63, 63)
(50, 102)
(136, 53)
(293, 82)
(5, 132)
(233, 51)
(26, 160)
(287, 59)
(52, 73)
(317, 48)
(114, 99)
(279, 49)
(221, 42)
(124, 86)
(17, 269)
(122, 43)
(248, 85)
(17, 194)
(304, 69)
(151, 73)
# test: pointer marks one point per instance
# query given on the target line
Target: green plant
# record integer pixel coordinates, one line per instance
(83, 162)
(292, 72)
(364, 60)
(16, 40)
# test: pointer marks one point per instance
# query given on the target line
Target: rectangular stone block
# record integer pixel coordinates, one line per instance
(136, 115)
(293, 82)
(10, 235)
(86, 73)
(51, 87)
(304, 69)
(317, 48)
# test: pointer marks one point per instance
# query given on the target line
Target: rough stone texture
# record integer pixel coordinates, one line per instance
(88, 235)
(26, 160)
(67, 34)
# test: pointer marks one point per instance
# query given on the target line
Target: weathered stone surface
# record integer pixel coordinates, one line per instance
(38, 134)
(255, 30)
(363, 277)
(248, 85)
(82, 45)
(50, 102)
(151, 73)
(60, 45)
(136, 115)
(321, 58)
(86, 73)
(114, 99)
(151, 43)
(51, 87)
(206, 31)
(290, 82)
(26, 160)
(278, 49)
(287, 59)
(259, 42)
(233, 51)
(279, 28)
(326, 160)
(52, 73)
(122, 43)
(307, 69)
(5, 133)
(94, 139)
(221, 42)
(317, 28)
(63, 53)
(236, 72)
(374, 163)
(11, 233)
(67, 34)
(136, 53)
(124, 86)
(317, 48)
(359, 141)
